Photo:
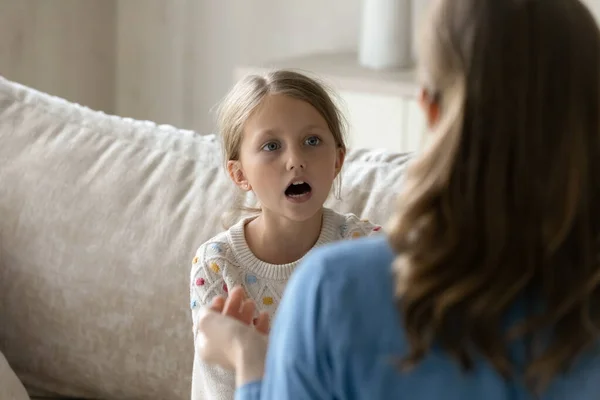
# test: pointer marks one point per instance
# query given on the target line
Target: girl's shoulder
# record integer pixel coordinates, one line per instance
(222, 246)
(215, 247)
(210, 272)
(211, 258)
(350, 226)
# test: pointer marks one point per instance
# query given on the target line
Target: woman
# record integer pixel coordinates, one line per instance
(488, 285)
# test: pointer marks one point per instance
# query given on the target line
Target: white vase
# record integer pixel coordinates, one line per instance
(386, 34)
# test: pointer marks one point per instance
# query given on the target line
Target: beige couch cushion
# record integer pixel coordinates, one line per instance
(100, 217)
(11, 387)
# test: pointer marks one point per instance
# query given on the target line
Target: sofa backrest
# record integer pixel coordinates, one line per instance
(99, 219)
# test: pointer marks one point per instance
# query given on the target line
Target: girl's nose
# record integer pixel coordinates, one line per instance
(296, 161)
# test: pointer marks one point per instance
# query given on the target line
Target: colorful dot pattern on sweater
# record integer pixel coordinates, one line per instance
(267, 300)
(226, 261)
(215, 267)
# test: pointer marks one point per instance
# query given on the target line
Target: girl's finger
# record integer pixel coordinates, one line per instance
(217, 304)
(247, 311)
(238, 291)
(262, 323)
(234, 301)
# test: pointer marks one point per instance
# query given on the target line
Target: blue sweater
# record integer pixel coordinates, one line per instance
(337, 333)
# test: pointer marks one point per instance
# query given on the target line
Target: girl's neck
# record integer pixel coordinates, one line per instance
(278, 240)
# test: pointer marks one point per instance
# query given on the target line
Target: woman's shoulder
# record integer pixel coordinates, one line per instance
(351, 271)
(353, 254)
(348, 292)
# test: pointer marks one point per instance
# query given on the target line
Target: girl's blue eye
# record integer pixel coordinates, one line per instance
(271, 146)
(313, 141)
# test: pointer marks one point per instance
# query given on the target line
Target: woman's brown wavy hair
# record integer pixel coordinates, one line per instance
(502, 209)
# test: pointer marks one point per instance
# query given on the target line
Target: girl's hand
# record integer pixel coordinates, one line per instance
(226, 337)
(242, 309)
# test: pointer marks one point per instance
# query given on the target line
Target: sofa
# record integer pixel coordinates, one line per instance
(99, 219)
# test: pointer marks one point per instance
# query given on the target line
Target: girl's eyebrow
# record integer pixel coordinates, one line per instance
(271, 133)
(266, 134)
(311, 127)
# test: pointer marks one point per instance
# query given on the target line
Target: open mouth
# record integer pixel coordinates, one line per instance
(298, 189)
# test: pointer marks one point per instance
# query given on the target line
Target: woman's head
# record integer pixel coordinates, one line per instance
(283, 139)
(504, 201)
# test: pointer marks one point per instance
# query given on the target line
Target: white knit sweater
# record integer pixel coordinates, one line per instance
(226, 261)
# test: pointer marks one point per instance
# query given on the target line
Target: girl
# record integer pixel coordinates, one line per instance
(283, 140)
(488, 285)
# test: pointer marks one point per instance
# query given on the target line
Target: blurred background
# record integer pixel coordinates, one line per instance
(168, 61)
(171, 61)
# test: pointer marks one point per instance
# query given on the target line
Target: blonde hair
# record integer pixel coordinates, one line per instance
(503, 206)
(249, 93)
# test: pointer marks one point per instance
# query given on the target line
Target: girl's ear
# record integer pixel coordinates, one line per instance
(431, 107)
(236, 173)
(339, 160)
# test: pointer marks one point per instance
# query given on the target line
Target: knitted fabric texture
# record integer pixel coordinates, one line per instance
(226, 261)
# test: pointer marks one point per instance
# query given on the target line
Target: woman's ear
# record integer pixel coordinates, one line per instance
(431, 107)
(339, 160)
(236, 173)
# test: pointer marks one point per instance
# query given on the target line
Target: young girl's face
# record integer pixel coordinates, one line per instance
(288, 157)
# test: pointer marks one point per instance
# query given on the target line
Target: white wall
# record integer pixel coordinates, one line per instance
(176, 57)
(165, 60)
(63, 47)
